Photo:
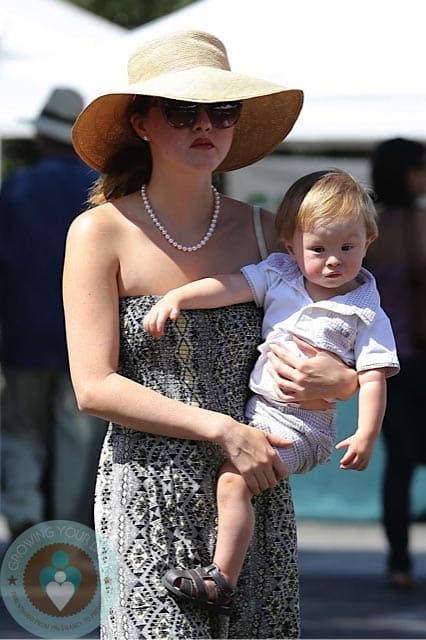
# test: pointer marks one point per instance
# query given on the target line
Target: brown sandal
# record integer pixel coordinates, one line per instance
(192, 587)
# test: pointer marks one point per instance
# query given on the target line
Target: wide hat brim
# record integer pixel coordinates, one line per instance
(268, 114)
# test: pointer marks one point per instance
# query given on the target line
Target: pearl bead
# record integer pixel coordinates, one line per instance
(166, 234)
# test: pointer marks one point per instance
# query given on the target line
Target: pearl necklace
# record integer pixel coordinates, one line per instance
(166, 234)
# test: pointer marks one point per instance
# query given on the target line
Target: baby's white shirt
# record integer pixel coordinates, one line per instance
(353, 326)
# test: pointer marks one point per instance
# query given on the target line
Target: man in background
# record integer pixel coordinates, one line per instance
(49, 449)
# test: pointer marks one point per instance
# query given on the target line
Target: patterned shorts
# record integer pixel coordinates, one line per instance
(313, 432)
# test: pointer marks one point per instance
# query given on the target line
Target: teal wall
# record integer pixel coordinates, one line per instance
(327, 492)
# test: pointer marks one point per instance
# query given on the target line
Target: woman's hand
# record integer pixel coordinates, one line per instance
(252, 452)
(320, 375)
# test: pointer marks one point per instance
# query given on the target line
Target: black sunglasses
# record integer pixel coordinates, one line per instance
(181, 115)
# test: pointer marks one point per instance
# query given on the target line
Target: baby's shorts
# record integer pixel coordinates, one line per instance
(313, 432)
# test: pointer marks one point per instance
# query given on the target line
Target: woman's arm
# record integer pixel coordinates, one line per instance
(207, 293)
(371, 411)
(92, 323)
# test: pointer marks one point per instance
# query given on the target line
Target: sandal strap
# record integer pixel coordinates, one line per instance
(213, 572)
(201, 590)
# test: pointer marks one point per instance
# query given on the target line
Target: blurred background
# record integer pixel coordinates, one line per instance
(361, 66)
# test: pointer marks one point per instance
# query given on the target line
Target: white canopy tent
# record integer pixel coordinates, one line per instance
(360, 64)
(39, 40)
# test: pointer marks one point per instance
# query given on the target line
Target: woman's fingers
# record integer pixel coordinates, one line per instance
(285, 388)
(308, 349)
(278, 466)
(277, 441)
(284, 357)
(252, 452)
(252, 483)
(265, 478)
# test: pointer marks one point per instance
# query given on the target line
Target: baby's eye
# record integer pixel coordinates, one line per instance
(317, 249)
(347, 247)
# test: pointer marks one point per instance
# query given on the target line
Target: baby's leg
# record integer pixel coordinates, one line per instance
(214, 585)
(235, 522)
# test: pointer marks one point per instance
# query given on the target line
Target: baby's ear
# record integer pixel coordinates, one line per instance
(370, 240)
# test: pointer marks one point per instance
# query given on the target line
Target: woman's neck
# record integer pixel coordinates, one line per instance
(181, 202)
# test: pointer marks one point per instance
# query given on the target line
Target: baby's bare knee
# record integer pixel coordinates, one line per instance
(232, 486)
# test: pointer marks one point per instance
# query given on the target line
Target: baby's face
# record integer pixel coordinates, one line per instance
(330, 255)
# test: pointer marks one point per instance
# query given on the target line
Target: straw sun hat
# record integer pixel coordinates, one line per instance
(191, 66)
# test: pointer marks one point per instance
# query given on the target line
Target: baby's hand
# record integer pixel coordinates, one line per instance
(156, 318)
(358, 454)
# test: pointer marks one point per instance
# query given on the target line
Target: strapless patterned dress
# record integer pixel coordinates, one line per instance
(155, 496)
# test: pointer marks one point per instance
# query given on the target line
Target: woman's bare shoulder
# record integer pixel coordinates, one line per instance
(269, 231)
(239, 208)
(243, 209)
(103, 219)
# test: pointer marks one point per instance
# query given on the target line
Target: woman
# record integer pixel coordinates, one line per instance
(398, 260)
(177, 405)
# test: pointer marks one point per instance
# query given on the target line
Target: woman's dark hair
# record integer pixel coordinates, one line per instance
(392, 160)
(129, 167)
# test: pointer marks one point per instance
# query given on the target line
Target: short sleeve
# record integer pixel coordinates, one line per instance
(255, 274)
(375, 346)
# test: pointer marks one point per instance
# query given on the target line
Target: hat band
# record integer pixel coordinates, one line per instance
(54, 116)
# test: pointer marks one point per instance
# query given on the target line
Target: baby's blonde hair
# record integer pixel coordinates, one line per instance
(324, 195)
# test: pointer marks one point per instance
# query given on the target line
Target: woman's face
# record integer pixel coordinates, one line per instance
(199, 148)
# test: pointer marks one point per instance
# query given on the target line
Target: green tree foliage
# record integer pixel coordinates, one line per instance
(131, 13)
(17, 153)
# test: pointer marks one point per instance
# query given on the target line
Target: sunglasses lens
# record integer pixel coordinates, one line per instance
(179, 114)
(224, 114)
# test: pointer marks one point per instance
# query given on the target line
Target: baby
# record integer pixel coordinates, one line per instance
(318, 292)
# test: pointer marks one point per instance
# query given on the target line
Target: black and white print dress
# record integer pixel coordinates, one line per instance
(155, 496)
